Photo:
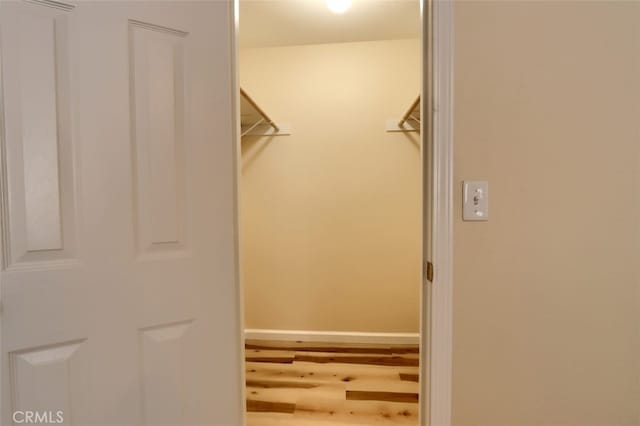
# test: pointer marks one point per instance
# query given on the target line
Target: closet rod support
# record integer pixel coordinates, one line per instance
(409, 113)
(253, 126)
(260, 111)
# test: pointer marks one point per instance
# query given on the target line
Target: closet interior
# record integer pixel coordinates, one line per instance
(331, 210)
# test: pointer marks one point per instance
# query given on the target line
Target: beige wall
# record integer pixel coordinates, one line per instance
(546, 293)
(331, 214)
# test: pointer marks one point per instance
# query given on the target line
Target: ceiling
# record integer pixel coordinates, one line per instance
(292, 22)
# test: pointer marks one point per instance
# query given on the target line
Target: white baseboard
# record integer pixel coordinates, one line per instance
(333, 336)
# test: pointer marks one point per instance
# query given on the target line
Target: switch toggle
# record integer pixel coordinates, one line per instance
(475, 201)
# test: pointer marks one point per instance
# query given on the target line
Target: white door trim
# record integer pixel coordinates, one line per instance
(439, 297)
(234, 27)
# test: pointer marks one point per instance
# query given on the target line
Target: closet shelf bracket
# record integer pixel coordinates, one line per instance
(255, 122)
(410, 121)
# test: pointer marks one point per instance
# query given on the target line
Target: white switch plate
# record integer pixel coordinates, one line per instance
(475, 201)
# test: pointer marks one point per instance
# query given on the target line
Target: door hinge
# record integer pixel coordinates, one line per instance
(428, 270)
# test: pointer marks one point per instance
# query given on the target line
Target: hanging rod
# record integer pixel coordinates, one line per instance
(266, 118)
(409, 114)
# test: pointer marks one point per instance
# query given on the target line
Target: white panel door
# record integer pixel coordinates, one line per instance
(118, 282)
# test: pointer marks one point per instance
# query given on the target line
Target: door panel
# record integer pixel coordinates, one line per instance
(163, 364)
(51, 379)
(157, 74)
(120, 303)
(40, 200)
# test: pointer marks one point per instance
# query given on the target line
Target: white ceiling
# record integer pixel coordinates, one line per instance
(291, 22)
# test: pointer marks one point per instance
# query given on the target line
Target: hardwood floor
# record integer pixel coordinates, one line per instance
(328, 384)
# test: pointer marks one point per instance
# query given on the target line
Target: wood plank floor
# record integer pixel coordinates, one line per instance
(331, 384)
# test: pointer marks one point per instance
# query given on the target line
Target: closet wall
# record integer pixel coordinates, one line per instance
(330, 215)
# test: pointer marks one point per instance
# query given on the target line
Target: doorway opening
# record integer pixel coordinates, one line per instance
(331, 210)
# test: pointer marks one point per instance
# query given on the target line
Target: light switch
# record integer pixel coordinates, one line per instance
(475, 201)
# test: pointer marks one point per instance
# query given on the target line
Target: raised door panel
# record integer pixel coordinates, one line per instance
(164, 382)
(50, 382)
(37, 161)
(158, 114)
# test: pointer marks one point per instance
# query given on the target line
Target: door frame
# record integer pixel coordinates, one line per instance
(437, 296)
(437, 321)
